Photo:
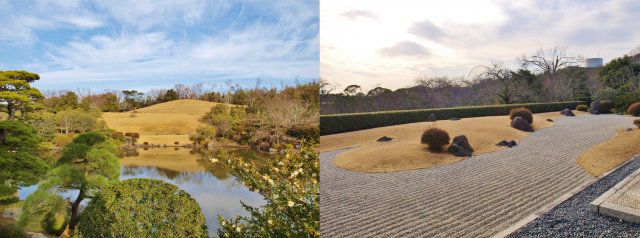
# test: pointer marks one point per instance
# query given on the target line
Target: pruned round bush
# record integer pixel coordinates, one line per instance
(193, 138)
(634, 109)
(145, 143)
(12, 231)
(435, 138)
(176, 143)
(281, 147)
(288, 146)
(275, 146)
(222, 140)
(521, 112)
(55, 223)
(244, 142)
(637, 122)
(143, 207)
(61, 141)
(605, 106)
(582, 108)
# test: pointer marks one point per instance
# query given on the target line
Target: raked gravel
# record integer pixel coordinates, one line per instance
(477, 197)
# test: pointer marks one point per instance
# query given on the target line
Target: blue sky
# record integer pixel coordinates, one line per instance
(392, 43)
(147, 44)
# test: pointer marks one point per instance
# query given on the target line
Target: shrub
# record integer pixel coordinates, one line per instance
(288, 146)
(634, 109)
(521, 112)
(244, 142)
(46, 145)
(55, 223)
(435, 138)
(192, 138)
(582, 108)
(605, 106)
(339, 123)
(61, 141)
(12, 231)
(239, 129)
(275, 146)
(117, 143)
(204, 142)
(624, 102)
(280, 147)
(164, 211)
(176, 143)
(605, 94)
(222, 140)
(145, 143)
(637, 122)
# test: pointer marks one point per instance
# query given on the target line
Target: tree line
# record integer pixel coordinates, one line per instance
(548, 75)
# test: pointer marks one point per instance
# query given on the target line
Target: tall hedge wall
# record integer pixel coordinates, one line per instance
(339, 123)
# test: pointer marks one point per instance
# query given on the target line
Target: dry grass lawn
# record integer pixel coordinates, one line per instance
(183, 106)
(603, 157)
(165, 139)
(405, 152)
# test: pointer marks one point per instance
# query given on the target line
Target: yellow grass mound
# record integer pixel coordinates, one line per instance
(169, 118)
(405, 152)
(603, 157)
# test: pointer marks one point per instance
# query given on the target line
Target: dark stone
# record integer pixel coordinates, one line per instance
(549, 120)
(567, 112)
(384, 139)
(431, 118)
(512, 143)
(455, 119)
(521, 124)
(629, 129)
(458, 150)
(503, 143)
(594, 108)
(462, 141)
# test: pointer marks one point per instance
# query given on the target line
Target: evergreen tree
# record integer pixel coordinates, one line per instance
(171, 95)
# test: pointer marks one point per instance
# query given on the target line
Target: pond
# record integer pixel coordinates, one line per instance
(210, 184)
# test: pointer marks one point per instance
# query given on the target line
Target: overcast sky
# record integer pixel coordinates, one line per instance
(393, 42)
(118, 44)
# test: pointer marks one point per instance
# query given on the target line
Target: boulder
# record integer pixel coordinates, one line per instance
(273, 150)
(594, 108)
(549, 120)
(567, 112)
(521, 124)
(629, 129)
(503, 143)
(385, 138)
(431, 118)
(460, 146)
(512, 143)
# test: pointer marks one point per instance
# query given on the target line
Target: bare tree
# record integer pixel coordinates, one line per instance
(508, 87)
(327, 86)
(550, 61)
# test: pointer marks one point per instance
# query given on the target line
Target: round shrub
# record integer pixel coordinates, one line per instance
(145, 143)
(634, 109)
(55, 223)
(244, 142)
(281, 147)
(275, 146)
(521, 112)
(637, 122)
(605, 94)
(158, 209)
(176, 143)
(288, 146)
(222, 140)
(435, 138)
(12, 231)
(582, 108)
(605, 106)
(192, 138)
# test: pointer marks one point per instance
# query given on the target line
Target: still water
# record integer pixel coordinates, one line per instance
(210, 184)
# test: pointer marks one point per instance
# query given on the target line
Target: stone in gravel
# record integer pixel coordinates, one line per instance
(384, 139)
(460, 146)
(455, 119)
(431, 118)
(503, 143)
(567, 112)
(594, 108)
(629, 129)
(462, 141)
(521, 124)
(512, 143)
(549, 120)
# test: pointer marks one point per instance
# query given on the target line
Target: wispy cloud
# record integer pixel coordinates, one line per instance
(404, 48)
(355, 14)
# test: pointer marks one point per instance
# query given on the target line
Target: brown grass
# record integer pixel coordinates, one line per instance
(183, 106)
(405, 152)
(603, 157)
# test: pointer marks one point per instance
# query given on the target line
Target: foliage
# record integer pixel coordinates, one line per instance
(623, 103)
(19, 162)
(88, 165)
(339, 123)
(620, 73)
(222, 140)
(605, 94)
(55, 223)
(132, 135)
(61, 141)
(170, 96)
(12, 231)
(206, 131)
(192, 138)
(521, 112)
(634, 109)
(435, 138)
(637, 122)
(288, 146)
(605, 106)
(304, 131)
(289, 184)
(157, 208)
(582, 108)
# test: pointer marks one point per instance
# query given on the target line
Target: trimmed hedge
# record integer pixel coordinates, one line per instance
(340, 123)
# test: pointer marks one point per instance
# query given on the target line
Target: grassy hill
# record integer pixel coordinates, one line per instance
(169, 118)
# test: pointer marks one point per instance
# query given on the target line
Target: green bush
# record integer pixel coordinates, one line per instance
(275, 146)
(623, 103)
(9, 201)
(46, 145)
(193, 138)
(61, 141)
(288, 146)
(339, 123)
(12, 231)
(605, 94)
(55, 223)
(222, 140)
(634, 109)
(521, 112)
(582, 108)
(244, 142)
(605, 106)
(435, 138)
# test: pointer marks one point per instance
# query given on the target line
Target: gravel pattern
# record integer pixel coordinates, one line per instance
(574, 219)
(477, 197)
(629, 196)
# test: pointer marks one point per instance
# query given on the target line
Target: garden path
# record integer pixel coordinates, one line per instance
(477, 197)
